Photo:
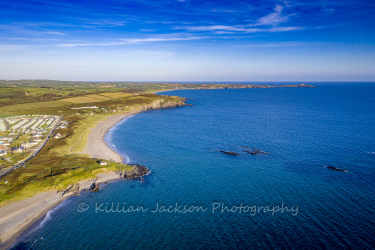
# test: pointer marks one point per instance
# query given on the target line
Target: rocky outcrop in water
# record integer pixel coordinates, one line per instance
(251, 152)
(94, 187)
(135, 172)
(337, 169)
(229, 153)
(254, 151)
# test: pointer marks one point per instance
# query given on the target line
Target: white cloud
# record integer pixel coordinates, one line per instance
(103, 23)
(56, 33)
(273, 18)
(224, 10)
(284, 44)
(240, 28)
(135, 41)
(277, 44)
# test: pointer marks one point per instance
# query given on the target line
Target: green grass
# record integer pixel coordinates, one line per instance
(35, 105)
(26, 182)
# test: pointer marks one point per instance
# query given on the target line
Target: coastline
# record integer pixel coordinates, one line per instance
(96, 146)
(17, 217)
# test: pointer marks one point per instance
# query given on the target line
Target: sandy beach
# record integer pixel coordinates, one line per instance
(18, 216)
(96, 146)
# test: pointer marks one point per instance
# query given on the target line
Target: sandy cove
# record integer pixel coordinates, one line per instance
(96, 146)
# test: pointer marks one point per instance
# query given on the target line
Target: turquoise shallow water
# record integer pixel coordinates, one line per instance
(303, 129)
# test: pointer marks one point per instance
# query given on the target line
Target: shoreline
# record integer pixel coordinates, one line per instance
(18, 217)
(96, 146)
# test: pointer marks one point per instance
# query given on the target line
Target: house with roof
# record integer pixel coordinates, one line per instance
(37, 135)
(33, 142)
(57, 136)
(17, 149)
(26, 145)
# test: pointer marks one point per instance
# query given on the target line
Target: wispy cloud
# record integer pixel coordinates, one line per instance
(274, 18)
(221, 29)
(277, 44)
(224, 10)
(28, 39)
(56, 33)
(103, 23)
(147, 30)
(135, 41)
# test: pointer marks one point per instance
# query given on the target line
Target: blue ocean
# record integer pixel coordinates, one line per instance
(197, 197)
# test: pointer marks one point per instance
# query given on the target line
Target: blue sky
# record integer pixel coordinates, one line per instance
(188, 40)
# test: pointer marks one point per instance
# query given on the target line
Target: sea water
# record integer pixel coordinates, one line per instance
(199, 197)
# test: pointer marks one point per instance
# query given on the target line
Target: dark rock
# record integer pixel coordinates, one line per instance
(94, 187)
(71, 188)
(135, 172)
(254, 151)
(259, 152)
(251, 152)
(229, 153)
(337, 169)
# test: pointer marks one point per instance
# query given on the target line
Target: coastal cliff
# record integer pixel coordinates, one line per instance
(92, 185)
(161, 103)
